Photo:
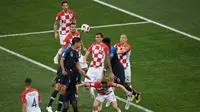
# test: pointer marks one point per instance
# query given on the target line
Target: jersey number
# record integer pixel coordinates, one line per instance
(34, 104)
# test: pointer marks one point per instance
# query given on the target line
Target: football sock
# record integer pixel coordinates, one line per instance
(130, 89)
(53, 96)
(60, 51)
(74, 105)
(61, 100)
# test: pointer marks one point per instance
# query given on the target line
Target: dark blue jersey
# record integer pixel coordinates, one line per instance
(71, 58)
(114, 57)
(117, 67)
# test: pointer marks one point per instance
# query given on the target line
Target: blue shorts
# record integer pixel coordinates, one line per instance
(64, 79)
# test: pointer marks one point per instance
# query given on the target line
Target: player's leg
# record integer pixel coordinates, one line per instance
(66, 107)
(61, 97)
(112, 98)
(58, 86)
(60, 50)
(114, 105)
(63, 89)
(97, 102)
(128, 75)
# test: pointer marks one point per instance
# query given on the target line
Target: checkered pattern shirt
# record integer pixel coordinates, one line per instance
(124, 58)
(99, 52)
(65, 20)
(68, 41)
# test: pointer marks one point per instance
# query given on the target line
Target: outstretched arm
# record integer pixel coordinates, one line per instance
(123, 88)
(83, 84)
(81, 70)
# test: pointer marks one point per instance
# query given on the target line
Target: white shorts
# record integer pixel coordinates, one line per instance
(110, 98)
(128, 74)
(95, 74)
(62, 38)
(83, 65)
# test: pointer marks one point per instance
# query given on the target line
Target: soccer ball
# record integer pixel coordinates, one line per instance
(85, 28)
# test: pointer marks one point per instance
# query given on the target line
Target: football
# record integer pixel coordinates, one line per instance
(85, 28)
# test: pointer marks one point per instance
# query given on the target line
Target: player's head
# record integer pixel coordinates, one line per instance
(123, 39)
(73, 27)
(105, 82)
(76, 42)
(99, 37)
(106, 41)
(28, 82)
(65, 5)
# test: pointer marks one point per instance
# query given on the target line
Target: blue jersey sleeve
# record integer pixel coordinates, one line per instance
(112, 52)
(65, 52)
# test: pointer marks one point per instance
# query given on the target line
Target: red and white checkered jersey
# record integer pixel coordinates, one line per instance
(68, 40)
(124, 58)
(65, 19)
(102, 90)
(99, 52)
(31, 98)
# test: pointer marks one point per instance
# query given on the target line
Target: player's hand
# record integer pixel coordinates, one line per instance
(129, 93)
(77, 87)
(56, 36)
(85, 49)
(64, 73)
(112, 75)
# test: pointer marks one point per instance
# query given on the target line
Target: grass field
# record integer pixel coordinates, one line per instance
(165, 64)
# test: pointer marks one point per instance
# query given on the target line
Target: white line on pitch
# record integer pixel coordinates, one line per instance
(53, 70)
(146, 19)
(92, 27)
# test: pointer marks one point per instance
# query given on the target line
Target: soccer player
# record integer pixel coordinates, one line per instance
(30, 98)
(99, 52)
(68, 61)
(118, 71)
(64, 18)
(105, 92)
(68, 41)
(124, 52)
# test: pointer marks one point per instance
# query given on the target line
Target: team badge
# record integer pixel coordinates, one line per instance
(71, 54)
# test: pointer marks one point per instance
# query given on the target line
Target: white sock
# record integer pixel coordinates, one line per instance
(130, 86)
(119, 110)
(60, 51)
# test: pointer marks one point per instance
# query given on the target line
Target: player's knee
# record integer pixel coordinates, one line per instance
(58, 86)
(114, 105)
(63, 90)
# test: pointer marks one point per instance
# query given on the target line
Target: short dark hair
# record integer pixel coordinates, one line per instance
(64, 2)
(72, 24)
(28, 81)
(99, 33)
(106, 40)
(75, 40)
